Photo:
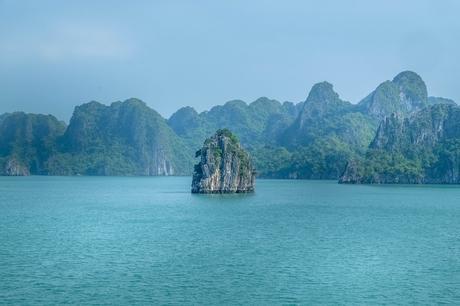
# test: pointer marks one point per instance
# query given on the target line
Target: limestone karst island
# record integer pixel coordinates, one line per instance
(224, 166)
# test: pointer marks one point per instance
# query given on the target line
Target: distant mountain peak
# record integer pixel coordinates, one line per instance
(183, 120)
(92, 103)
(186, 110)
(405, 94)
(134, 101)
(236, 103)
(407, 76)
(265, 102)
(322, 99)
(262, 100)
(413, 87)
(322, 92)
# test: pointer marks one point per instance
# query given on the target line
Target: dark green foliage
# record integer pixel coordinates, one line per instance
(224, 166)
(272, 162)
(314, 139)
(413, 88)
(323, 159)
(227, 133)
(258, 124)
(324, 116)
(125, 138)
(424, 148)
(446, 161)
(385, 167)
(327, 132)
(405, 94)
(29, 139)
(440, 100)
(252, 123)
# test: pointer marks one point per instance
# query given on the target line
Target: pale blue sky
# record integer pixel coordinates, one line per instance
(55, 55)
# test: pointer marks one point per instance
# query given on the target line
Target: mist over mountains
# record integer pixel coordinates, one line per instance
(320, 138)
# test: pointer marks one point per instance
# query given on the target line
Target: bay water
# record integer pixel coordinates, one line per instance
(148, 240)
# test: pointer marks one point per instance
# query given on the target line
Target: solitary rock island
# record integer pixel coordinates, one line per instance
(224, 166)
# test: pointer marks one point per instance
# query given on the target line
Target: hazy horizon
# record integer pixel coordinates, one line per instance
(170, 54)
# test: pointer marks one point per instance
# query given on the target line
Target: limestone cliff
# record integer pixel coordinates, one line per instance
(224, 166)
(13, 167)
(26, 143)
(124, 138)
(421, 149)
(404, 95)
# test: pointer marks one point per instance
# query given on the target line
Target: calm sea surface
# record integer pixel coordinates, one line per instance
(106, 240)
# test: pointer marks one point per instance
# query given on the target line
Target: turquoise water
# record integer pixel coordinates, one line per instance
(96, 240)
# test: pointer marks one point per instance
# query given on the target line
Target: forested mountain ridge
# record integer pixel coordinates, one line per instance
(422, 148)
(125, 138)
(27, 141)
(326, 133)
(316, 138)
(405, 94)
(254, 123)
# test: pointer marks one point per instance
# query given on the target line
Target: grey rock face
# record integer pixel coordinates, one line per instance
(351, 174)
(421, 149)
(224, 166)
(125, 138)
(424, 129)
(14, 168)
(404, 95)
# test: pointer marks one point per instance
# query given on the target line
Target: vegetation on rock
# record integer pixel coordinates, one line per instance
(423, 148)
(316, 139)
(224, 166)
(27, 141)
